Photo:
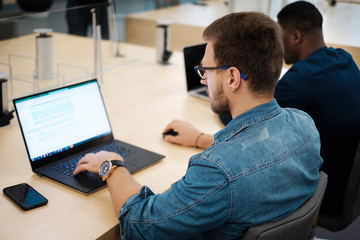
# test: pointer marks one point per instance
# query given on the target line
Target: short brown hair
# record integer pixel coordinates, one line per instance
(252, 42)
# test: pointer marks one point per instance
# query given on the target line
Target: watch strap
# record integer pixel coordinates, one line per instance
(118, 163)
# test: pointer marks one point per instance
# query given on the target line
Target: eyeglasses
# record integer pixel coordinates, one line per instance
(201, 71)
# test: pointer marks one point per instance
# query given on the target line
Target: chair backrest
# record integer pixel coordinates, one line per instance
(296, 226)
(351, 202)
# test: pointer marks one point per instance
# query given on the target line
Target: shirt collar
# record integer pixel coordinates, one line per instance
(257, 114)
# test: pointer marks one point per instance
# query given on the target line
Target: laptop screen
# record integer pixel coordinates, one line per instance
(60, 119)
(192, 57)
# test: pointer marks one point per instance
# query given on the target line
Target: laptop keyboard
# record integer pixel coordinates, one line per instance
(69, 166)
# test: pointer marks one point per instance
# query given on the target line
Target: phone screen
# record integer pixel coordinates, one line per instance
(25, 196)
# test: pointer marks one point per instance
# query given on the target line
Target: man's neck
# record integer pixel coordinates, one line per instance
(312, 42)
(247, 104)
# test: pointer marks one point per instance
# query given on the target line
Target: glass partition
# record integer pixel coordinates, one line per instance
(56, 46)
(48, 43)
(37, 54)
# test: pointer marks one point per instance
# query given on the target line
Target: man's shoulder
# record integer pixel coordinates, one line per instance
(299, 116)
(330, 55)
(319, 61)
(337, 51)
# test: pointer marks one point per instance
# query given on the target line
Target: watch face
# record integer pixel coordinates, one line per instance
(105, 168)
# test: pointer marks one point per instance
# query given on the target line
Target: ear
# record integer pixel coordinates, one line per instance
(297, 37)
(234, 79)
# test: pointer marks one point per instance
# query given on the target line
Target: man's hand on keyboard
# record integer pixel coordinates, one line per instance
(91, 162)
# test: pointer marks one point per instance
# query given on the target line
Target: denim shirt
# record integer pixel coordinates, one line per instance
(260, 168)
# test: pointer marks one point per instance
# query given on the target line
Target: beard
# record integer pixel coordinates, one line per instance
(219, 103)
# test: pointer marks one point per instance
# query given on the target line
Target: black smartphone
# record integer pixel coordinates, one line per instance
(25, 196)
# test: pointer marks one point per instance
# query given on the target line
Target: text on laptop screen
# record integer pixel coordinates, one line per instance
(62, 119)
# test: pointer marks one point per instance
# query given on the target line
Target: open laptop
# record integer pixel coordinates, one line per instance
(60, 126)
(192, 57)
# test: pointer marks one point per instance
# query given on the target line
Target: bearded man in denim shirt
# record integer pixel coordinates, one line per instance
(260, 168)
